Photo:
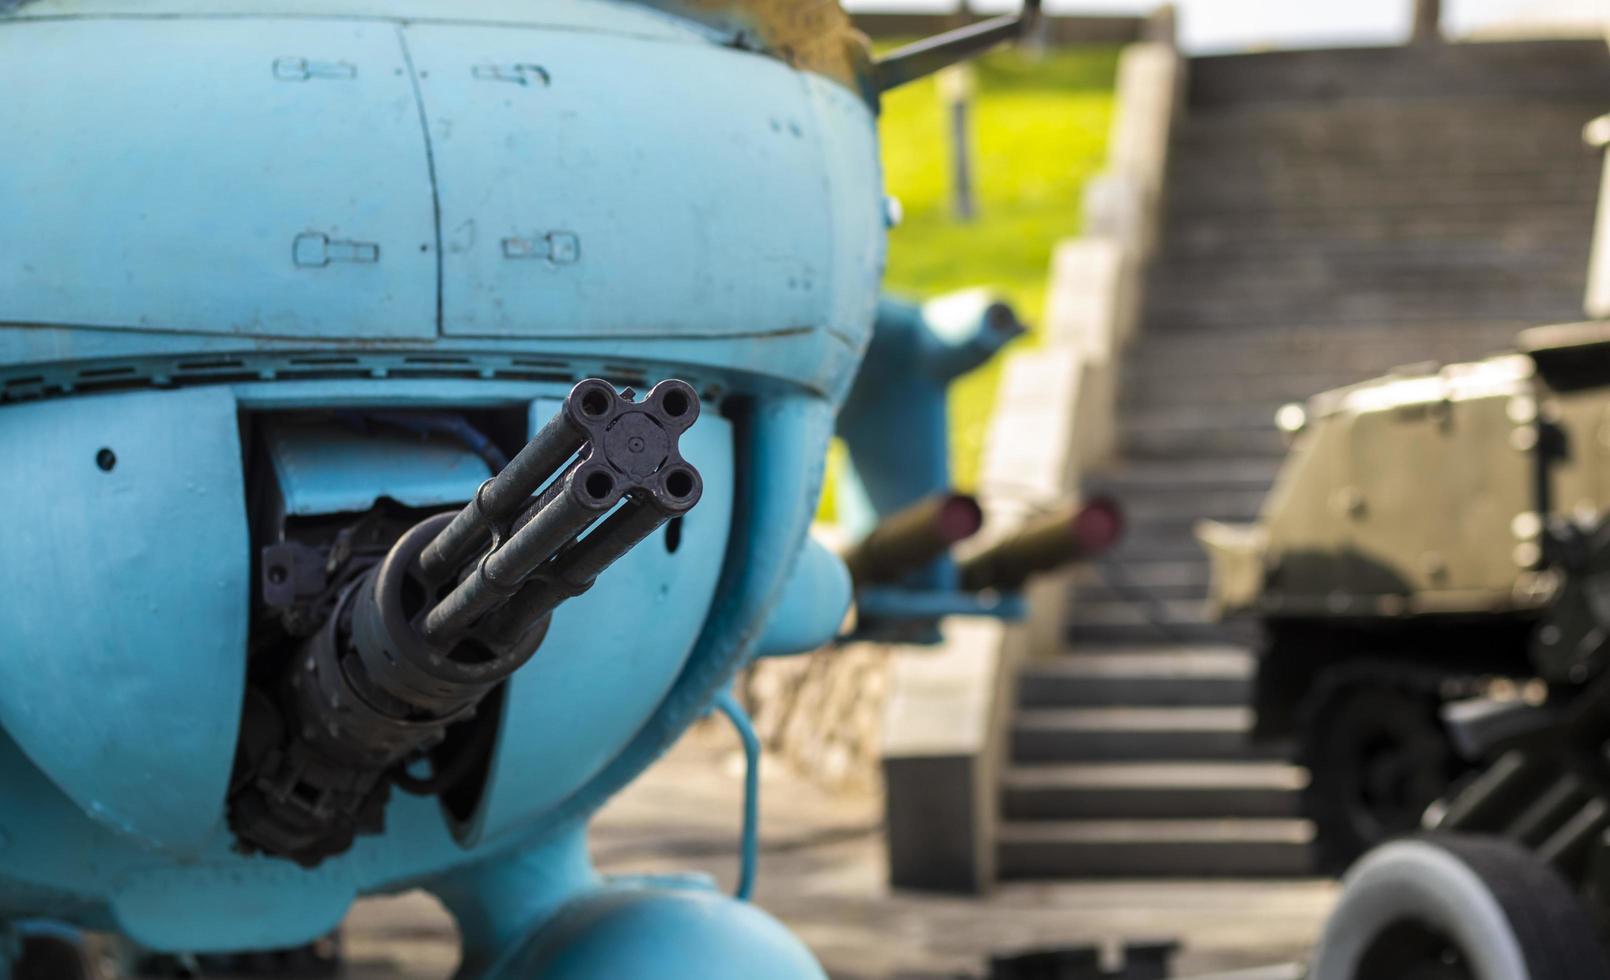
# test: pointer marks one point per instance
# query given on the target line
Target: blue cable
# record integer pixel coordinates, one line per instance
(728, 705)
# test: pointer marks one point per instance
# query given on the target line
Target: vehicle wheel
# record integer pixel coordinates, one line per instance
(1377, 757)
(51, 957)
(1454, 907)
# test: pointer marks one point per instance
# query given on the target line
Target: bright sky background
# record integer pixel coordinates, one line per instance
(1237, 25)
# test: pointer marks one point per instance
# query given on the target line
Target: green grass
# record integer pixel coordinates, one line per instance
(1039, 132)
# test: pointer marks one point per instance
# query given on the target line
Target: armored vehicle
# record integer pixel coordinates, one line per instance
(1431, 569)
(411, 415)
(1430, 539)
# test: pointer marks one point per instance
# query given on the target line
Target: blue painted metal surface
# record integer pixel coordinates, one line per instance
(119, 644)
(905, 605)
(327, 467)
(895, 421)
(813, 606)
(229, 210)
(335, 237)
(749, 838)
(713, 244)
(639, 933)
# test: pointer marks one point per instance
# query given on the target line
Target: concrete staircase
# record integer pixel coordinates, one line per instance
(1330, 215)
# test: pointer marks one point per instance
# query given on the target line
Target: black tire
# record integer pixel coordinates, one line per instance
(1378, 755)
(1455, 907)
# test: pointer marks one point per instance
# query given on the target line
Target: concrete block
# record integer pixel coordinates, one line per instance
(942, 756)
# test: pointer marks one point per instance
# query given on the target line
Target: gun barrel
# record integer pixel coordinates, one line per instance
(1077, 532)
(910, 539)
(631, 451)
(500, 497)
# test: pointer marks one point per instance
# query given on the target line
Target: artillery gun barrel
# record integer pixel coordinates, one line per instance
(1076, 532)
(910, 539)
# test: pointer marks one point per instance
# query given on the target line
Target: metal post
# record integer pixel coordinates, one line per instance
(956, 89)
(1427, 21)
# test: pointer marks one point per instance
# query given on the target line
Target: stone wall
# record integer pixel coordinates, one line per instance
(822, 713)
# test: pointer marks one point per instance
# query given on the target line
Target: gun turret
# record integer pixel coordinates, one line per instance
(457, 605)
(910, 540)
(1077, 532)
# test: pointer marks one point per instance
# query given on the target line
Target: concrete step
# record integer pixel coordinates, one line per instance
(1264, 393)
(1191, 588)
(1218, 418)
(1440, 129)
(1418, 284)
(1261, 159)
(1175, 612)
(1154, 790)
(1162, 440)
(1259, 153)
(1207, 432)
(1344, 356)
(1386, 334)
(1155, 848)
(1349, 227)
(1165, 579)
(1408, 135)
(1182, 583)
(1412, 142)
(1244, 236)
(1084, 634)
(1153, 544)
(1408, 271)
(1550, 71)
(1217, 676)
(1223, 172)
(1229, 236)
(1368, 298)
(1152, 507)
(1186, 476)
(1136, 734)
(1360, 307)
(1145, 503)
(1147, 551)
(1229, 318)
(1516, 198)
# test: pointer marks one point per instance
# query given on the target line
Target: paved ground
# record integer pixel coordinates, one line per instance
(822, 873)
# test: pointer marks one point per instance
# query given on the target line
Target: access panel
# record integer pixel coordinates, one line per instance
(597, 184)
(264, 177)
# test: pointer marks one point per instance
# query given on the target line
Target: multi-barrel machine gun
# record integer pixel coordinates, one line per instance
(417, 641)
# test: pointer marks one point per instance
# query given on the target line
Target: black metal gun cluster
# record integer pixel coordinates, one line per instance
(458, 604)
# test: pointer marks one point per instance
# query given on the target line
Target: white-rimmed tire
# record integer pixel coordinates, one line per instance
(1453, 907)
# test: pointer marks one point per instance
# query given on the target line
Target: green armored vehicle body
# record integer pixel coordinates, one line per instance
(1430, 542)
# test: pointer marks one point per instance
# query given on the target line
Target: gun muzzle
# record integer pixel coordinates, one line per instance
(908, 540)
(1070, 534)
